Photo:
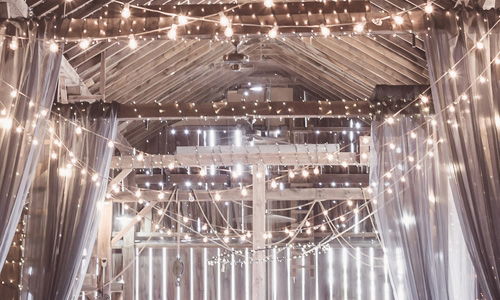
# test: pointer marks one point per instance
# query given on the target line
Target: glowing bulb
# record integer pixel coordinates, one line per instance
(424, 99)
(482, 79)
(84, 44)
(217, 196)
(316, 171)
(95, 177)
(126, 11)
(390, 120)
(5, 123)
(244, 192)
(453, 73)
(428, 8)
(274, 184)
(268, 3)
(111, 144)
(140, 157)
(480, 45)
(203, 172)
(53, 47)
(360, 27)
(13, 93)
(138, 193)
(171, 166)
(182, 20)
(132, 43)
(398, 20)
(224, 21)
(273, 33)
(161, 196)
(228, 32)
(497, 61)
(291, 174)
(14, 44)
(305, 173)
(78, 130)
(325, 31)
(172, 33)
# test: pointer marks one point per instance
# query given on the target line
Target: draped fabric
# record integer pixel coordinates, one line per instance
(69, 187)
(469, 107)
(413, 215)
(28, 78)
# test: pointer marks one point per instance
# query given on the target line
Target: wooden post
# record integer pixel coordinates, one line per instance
(259, 228)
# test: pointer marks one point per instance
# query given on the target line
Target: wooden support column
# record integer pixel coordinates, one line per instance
(259, 228)
(128, 257)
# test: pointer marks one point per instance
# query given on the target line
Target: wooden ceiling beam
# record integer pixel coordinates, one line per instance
(236, 110)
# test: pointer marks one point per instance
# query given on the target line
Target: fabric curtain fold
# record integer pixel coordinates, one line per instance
(468, 100)
(28, 79)
(69, 188)
(412, 211)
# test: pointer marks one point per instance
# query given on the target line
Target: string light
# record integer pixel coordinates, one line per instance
(182, 20)
(429, 8)
(228, 32)
(398, 20)
(223, 20)
(172, 32)
(14, 44)
(53, 47)
(268, 3)
(132, 43)
(291, 174)
(359, 28)
(273, 33)
(126, 11)
(84, 43)
(325, 31)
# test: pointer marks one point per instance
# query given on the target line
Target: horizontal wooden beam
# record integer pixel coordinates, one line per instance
(249, 19)
(236, 110)
(277, 155)
(292, 194)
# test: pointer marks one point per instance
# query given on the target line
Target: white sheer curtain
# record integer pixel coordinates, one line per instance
(69, 187)
(468, 43)
(28, 79)
(413, 212)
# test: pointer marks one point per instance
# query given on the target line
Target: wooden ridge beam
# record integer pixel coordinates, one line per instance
(236, 110)
(292, 18)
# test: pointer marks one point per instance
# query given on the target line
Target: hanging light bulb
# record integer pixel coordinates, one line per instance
(171, 166)
(78, 130)
(228, 32)
(126, 10)
(5, 123)
(429, 8)
(291, 173)
(172, 33)
(182, 20)
(84, 44)
(316, 171)
(138, 193)
(13, 93)
(132, 43)
(161, 195)
(203, 172)
(111, 144)
(217, 196)
(273, 33)
(359, 28)
(14, 44)
(223, 21)
(274, 184)
(140, 157)
(453, 73)
(268, 3)
(398, 20)
(244, 192)
(53, 47)
(94, 177)
(325, 31)
(305, 173)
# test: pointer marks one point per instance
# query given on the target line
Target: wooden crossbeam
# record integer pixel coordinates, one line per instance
(236, 110)
(292, 18)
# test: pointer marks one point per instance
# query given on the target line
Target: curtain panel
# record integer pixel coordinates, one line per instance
(469, 110)
(69, 187)
(28, 78)
(413, 212)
